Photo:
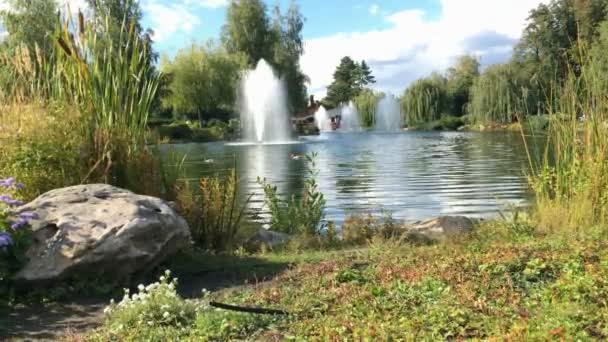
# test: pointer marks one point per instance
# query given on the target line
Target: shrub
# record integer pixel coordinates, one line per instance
(215, 214)
(175, 131)
(359, 230)
(298, 215)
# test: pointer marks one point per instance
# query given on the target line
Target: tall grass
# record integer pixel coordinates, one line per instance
(572, 183)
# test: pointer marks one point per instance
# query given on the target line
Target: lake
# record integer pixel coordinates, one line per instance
(413, 175)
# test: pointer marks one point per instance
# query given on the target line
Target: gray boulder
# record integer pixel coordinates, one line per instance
(101, 230)
(444, 225)
(265, 238)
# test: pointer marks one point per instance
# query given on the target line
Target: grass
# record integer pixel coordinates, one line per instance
(502, 282)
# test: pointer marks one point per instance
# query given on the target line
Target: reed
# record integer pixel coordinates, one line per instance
(571, 184)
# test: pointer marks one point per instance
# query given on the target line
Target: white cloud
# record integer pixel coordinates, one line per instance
(414, 45)
(169, 19)
(374, 9)
(209, 3)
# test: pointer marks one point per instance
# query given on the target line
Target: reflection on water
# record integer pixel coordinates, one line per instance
(413, 175)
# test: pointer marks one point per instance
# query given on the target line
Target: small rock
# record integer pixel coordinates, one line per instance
(446, 225)
(265, 238)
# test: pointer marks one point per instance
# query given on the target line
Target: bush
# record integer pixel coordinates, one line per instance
(175, 131)
(298, 215)
(360, 230)
(214, 215)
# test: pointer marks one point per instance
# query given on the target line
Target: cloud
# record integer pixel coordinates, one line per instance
(374, 9)
(169, 19)
(413, 45)
(208, 3)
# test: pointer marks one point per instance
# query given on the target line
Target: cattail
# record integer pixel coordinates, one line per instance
(81, 22)
(64, 46)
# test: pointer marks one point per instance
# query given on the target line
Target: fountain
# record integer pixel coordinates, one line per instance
(350, 118)
(388, 114)
(323, 120)
(263, 104)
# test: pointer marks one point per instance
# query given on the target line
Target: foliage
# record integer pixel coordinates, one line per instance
(499, 95)
(250, 32)
(203, 80)
(350, 78)
(215, 216)
(572, 178)
(425, 99)
(30, 23)
(361, 230)
(298, 215)
(460, 78)
(156, 305)
(367, 103)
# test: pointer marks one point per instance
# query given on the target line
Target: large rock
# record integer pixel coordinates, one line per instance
(101, 230)
(265, 238)
(444, 225)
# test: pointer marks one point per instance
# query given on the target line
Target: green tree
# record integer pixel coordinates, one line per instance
(247, 30)
(350, 78)
(460, 78)
(287, 49)
(499, 94)
(202, 80)
(425, 100)
(367, 103)
(31, 23)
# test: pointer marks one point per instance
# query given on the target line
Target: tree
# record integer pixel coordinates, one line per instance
(247, 30)
(460, 78)
(350, 78)
(287, 49)
(425, 100)
(125, 15)
(366, 76)
(202, 80)
(31, 23)
(499, 94)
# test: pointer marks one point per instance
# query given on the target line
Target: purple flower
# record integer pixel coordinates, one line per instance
(28, 216)
(19, 186)
(5, 240)
(19, 224)
(7, 183)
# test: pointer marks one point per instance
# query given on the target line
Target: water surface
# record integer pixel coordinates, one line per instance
(413, 175)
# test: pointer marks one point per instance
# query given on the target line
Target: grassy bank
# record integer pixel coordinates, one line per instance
(506, 281)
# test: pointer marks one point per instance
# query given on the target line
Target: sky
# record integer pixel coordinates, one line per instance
(401, 40)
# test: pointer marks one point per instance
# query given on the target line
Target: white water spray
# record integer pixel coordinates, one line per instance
(263, 104)
(323, 120)
(350, 118)
(388, 114)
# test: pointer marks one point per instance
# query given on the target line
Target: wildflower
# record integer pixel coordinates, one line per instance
(19, 224)
(7, 183)
(28, 216)
(19, 186)
(5, 240)
(166, 314)
(141, 287)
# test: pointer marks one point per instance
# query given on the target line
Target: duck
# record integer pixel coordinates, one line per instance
(295, 156)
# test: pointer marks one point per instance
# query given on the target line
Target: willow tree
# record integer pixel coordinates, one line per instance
(367, 104)
(203, 80)
(499, 94)
(425, 100)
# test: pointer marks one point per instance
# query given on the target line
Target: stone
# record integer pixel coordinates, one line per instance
(265, 238)
(99, 230)
(444, 225)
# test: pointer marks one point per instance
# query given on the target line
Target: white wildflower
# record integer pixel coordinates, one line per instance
(141, 287)
(166, 314)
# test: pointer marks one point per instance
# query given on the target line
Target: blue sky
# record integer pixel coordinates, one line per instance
(402, 40)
